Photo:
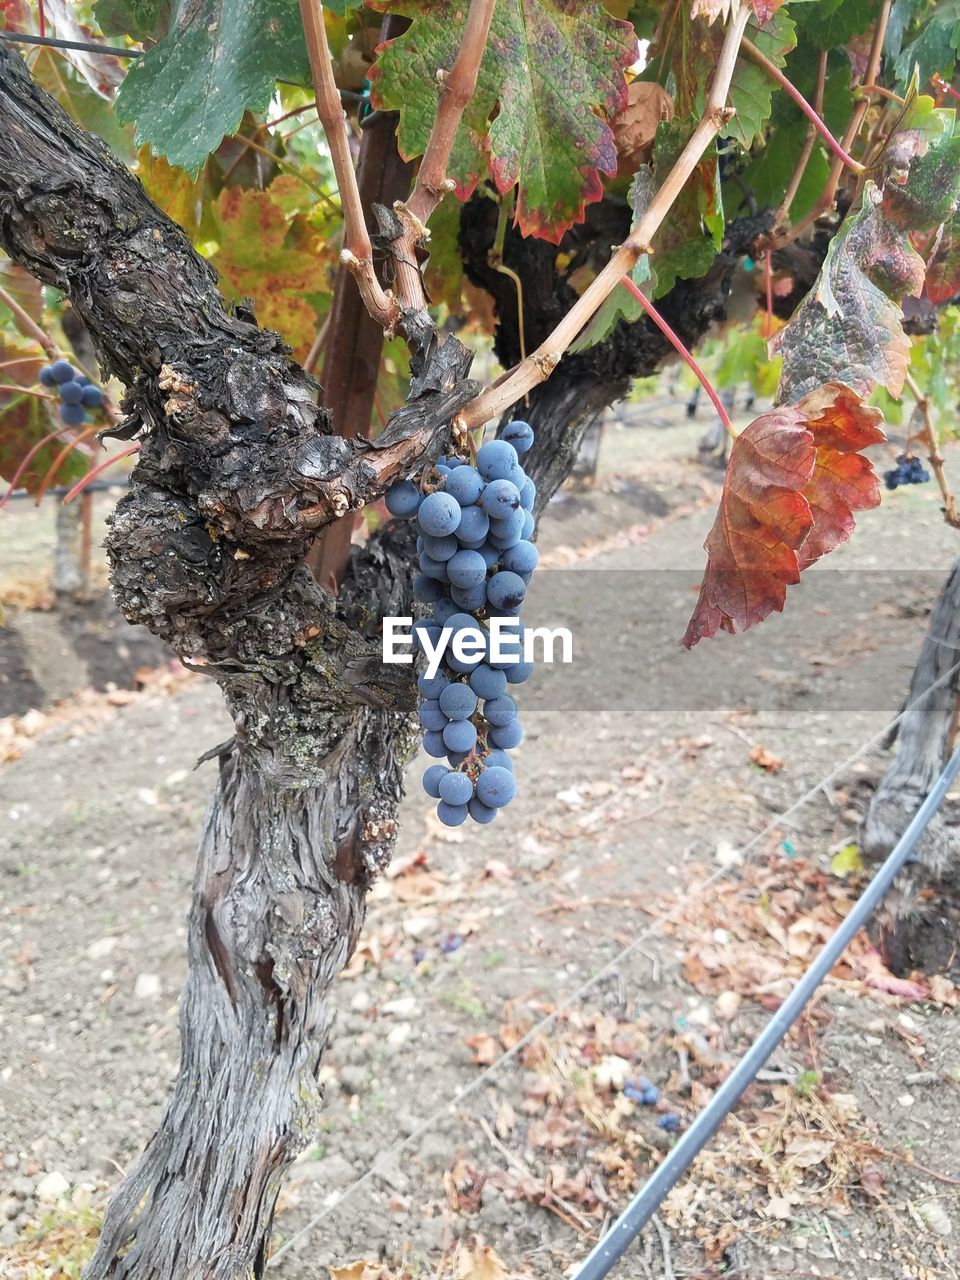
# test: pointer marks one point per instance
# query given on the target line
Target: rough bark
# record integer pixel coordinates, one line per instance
(923, 741)
(237, 471)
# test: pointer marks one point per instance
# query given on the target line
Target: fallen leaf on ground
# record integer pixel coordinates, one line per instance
(765, 759)
(481, 1263)
(846, 862)
(358, 1271)
(485, 1050)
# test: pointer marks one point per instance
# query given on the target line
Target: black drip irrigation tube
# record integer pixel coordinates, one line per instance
(602, 1258)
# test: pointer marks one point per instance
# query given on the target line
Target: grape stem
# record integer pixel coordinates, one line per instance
(60, 459)
(685, 355)
(929, 434)
(783, 212)
(853, 128)
(538, 366)
(432, 184)
(26, 391)
(27, 459)
(941, 84)
(790, 89)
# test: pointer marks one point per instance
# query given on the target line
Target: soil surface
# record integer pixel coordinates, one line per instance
(683, 840)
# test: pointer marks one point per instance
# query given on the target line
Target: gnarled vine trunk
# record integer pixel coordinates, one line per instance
(237, 472)
(923, 741)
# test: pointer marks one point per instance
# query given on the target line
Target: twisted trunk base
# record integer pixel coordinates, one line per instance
(277, 908)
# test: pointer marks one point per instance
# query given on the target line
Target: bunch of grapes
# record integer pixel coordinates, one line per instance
(77, 392)
(476, 560)
(909, 470)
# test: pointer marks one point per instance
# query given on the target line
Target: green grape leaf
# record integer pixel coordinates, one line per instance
(220, 58)
(137, 18)
(687, 242)
(620, 304)
(771, 167)
(751, 89)
(443, 273)
(256, 260)
(829, 23)
(744, 358)
(342, 7)
(934, 50)
(551, 78)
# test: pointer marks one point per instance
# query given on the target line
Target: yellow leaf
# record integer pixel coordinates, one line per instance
(361, 1270)
(846, 862)
(482, 1263)
(172, 189)
(257, 260)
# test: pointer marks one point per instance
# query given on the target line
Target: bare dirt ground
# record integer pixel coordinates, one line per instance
(679, 848)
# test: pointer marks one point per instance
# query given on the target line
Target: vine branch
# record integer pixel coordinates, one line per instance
(783, 212)
(432, 184)
(357, 252)
(538, 366)
(457, 90)
(933, 452)
(853, 128)
(27, 325)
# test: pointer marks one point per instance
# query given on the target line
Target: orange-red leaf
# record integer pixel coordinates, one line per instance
(794, 481)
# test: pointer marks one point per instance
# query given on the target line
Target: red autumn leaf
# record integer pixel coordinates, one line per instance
(794, 481)
(765, 9)
(943, 273)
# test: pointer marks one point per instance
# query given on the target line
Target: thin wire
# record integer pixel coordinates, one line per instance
(453, 1105)
(81, 46)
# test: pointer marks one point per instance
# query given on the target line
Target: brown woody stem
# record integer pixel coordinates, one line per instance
(934, 455)
(456, 92)
(457, 89)
(357, 251)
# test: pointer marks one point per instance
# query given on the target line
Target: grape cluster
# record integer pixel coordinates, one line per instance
(77, 392)
(475, 526)
(909, 470)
